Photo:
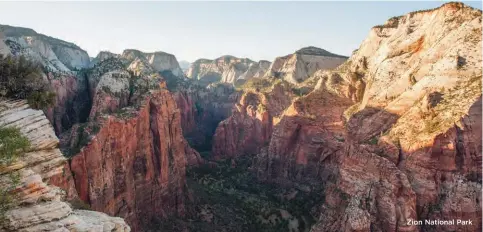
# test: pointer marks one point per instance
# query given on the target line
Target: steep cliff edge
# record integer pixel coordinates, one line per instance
(202, 108)
(39, 205)
(129, 159)
(250, 125)
(54, 54)
(141, 160)
(394, 133)
(60, 61)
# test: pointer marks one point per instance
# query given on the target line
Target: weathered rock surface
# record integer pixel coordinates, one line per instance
(299, 66)
(250, 126)
(53, 54)
(202, 108)
(102, 56)
(159, 61)
(255, 70)
(395, 132)
(60, 61)
(227, 69)
(39, 205)
(141, 160)
(129, 158)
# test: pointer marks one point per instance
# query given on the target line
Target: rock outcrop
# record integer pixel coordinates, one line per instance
(394, 132)
(250, 126)
(102, 56)
(134, 141)
(54, 54)
(255, 70)
(226, 69)
(299, 66)
(141, 159)
(143, 62)
(38, 204)
(159, 61)
(202, 108)
(60, 61)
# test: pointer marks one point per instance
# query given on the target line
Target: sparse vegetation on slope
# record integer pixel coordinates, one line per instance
(22, 79)
(12, 144)
(230, 198)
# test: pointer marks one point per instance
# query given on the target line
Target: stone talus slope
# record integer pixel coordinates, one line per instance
(140, 161)
(39, 204)
(394, 132)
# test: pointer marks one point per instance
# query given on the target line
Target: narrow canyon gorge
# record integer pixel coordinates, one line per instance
(311, 142)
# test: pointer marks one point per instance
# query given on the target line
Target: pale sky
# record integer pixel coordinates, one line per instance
(192, 30)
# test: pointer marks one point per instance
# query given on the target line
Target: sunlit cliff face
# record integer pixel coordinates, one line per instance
(312, 141)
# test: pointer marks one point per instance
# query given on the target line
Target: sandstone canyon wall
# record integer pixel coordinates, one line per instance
(226, 69)
(129, 159)
(394, 133)
(250, 125)
(299, 66)
(202, 109)
(119, 126)
(60, 61)
(135, 167)
(39, 205)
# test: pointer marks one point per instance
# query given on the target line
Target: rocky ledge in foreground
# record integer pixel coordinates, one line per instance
(39, 205)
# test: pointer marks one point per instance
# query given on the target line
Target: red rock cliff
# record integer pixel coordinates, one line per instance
(202, 109)
(394, 133)
(134, 168)
(250, 126)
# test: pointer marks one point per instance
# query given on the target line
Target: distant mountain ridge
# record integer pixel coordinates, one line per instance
(311, 50)
(303, 63)
(226, 69)
(54, 54)
(184, 65)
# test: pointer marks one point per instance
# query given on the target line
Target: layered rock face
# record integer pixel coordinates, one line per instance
(54, 54)
(202, 109)
(299, 66)
(395, 132)
(159, 61)
(140, 61)
(59, 60)
(255, 70)
(38, 204)
(103, 55)
(227, 69)
(133, 140)
(250, 126)
(135, 167)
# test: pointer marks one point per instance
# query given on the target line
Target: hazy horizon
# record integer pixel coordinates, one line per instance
(194, 30)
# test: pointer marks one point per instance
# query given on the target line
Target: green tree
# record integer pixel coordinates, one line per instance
(21, 78)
